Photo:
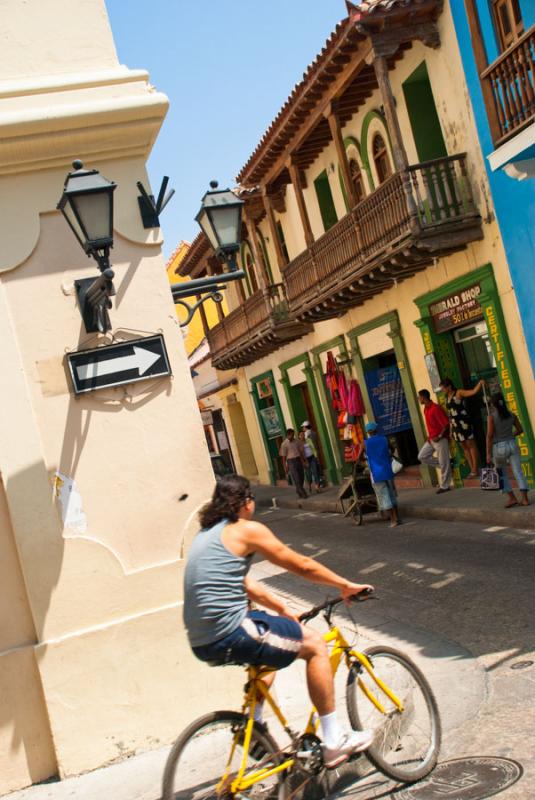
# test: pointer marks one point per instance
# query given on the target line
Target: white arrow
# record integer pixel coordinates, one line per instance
(141, 359)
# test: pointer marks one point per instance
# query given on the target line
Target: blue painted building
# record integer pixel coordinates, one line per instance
(497, 43)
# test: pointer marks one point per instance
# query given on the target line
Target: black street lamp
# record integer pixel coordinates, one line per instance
(87, 205)
(220, 220)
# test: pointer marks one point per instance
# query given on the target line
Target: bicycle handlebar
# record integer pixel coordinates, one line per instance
(360, 597)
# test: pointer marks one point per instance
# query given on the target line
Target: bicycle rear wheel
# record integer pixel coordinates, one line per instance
(407, 743)
(199, 757)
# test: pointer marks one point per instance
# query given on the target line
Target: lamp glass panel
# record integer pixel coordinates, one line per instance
(226, 221)
(94, 211)
(206, 224)
(73, 222)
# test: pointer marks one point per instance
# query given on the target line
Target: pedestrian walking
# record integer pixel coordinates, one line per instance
(312, 475)
(436, 451)
(379, 457)
(310, 433)
(461, 426)
(502, 448)
(294, 461)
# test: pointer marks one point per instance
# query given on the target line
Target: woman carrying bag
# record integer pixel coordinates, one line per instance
(502, 448)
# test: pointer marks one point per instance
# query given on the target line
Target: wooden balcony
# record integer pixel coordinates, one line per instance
(413, 218)
(509, 89)
(255, 329)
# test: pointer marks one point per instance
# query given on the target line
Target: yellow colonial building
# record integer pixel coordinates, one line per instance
(370, 248)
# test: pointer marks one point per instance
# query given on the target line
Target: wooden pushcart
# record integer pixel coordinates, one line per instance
(356, 494)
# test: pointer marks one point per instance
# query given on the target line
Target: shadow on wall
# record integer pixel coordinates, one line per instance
(26, 747)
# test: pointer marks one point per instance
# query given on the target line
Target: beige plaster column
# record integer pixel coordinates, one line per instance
(99, 492)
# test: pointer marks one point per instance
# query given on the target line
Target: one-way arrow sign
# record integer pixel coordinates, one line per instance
(113, 365)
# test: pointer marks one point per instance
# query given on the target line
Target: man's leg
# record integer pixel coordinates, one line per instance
(427, 455)
(337, 746)
(298, 474)
(443, 452)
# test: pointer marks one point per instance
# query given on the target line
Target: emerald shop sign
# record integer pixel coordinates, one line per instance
(456, 309)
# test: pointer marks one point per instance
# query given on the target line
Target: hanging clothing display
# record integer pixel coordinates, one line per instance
(347, 401)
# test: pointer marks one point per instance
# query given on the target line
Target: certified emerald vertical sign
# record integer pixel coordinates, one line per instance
(116, 364)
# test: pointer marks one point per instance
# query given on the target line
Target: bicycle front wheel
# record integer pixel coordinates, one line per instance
(199, 759)
(407, 742)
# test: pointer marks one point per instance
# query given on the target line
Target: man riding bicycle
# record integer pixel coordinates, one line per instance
(223, 630)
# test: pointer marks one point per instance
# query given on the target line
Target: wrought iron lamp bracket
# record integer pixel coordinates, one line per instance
(216, 296)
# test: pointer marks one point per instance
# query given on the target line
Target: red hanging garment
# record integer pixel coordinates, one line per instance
(355, 403)
(331, 379)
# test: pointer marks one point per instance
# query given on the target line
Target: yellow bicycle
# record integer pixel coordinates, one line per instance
(227, 754)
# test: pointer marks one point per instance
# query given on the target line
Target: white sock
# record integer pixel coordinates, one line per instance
(259, 712)
(330, 729)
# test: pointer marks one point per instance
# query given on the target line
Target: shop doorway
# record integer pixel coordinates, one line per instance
(271, 423)
(476, 360)
(303, 410)
(389, 405)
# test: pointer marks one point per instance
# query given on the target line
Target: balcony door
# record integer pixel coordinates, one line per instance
(508, 22)
(425, 124)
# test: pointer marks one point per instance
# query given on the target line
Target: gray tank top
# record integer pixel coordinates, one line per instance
(503, 428)
(215, 600)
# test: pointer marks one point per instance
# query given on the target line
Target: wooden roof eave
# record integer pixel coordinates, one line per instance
(327, 81)
(195, 262)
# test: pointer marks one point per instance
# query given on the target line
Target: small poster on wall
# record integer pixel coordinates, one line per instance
(271, 422)
(432, 371)
(264, 388)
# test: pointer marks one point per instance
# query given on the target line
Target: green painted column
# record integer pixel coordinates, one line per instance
(336, 469)
(411, 396)
(271, 471)
(447, 365)
(508, 374)
(323, 433)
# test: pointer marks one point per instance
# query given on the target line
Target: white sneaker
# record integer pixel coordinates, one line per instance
(349, 743)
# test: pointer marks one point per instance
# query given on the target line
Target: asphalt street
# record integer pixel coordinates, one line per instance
(458, 598)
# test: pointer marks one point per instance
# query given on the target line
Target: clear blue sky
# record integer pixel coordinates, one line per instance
(227, 67)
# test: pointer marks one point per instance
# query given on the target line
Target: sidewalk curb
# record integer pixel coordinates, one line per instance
(509, 519)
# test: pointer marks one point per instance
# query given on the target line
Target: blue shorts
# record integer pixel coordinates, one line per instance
(385, 491)
(262, 639)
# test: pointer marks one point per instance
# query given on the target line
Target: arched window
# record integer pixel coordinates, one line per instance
(380, 158)
(251, 272)
(356, 179)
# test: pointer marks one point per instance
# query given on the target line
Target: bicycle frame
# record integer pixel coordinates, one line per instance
(256, 687)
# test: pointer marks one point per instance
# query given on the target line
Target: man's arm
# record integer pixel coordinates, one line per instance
(441, 417)
(258, 594)
(258, 538)
(282, 453)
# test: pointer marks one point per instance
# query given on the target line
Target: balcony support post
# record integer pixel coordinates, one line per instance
(295, 178)
(401, 162)
(258, 256)
(480, 55)
(336, 133)
(268, 206)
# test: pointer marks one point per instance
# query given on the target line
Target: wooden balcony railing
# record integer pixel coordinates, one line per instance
(510, 82)
(427, 199)
(258, 326)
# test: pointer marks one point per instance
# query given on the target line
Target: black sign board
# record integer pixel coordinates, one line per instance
(115, 364)
(456, 309)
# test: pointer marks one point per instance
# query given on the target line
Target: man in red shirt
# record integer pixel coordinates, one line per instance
(436, 451)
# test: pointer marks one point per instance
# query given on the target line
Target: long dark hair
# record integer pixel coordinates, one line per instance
(500, 405)
(229, 495)
(447, 383)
